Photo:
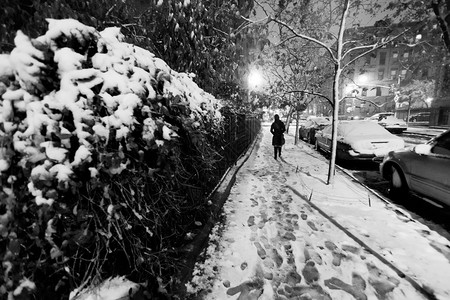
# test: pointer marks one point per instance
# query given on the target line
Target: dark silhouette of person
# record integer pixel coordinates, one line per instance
(277, 129)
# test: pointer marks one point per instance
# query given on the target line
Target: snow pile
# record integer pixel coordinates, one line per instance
(77, 105)
(93, 104)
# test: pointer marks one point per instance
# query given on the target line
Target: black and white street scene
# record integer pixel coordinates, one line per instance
(225, 150)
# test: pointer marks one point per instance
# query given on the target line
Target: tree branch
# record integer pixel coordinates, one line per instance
(371, 47)
(366, 100)
(328, 49)
(310, 93)
(442, 23)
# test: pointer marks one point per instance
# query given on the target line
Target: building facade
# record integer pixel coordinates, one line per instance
(372, 83)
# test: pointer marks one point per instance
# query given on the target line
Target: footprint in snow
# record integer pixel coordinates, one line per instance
(261, 224)
(251, 221)
(335, 251)
(254, 202)
(309, 292)
(249, 290)
(312, 225)
(289, 236)
(264, 216)
(288, 226)
(382, 283)
(310, 272)
(289, 254)
(337, 284)
(311, 254)
(293, 278)
(277, 258)
(358, 282)
(351, 248)
(260, 250)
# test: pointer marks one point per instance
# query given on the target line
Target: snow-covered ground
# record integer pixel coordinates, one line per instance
(275, 243)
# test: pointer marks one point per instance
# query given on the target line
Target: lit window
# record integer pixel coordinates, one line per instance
(406, 55)
(403, 72)
(381, 74)
(393, 73)
(395, 54)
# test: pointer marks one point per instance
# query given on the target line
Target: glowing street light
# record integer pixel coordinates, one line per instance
(362, 79)
(254, 79)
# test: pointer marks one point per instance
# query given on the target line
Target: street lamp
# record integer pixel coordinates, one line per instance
(254, 80)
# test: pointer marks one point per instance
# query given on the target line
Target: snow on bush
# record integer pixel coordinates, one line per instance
(77, 106)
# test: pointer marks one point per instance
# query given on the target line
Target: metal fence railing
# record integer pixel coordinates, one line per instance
(238, 134)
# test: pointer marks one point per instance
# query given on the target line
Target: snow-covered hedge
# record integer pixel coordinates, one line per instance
(92, 136)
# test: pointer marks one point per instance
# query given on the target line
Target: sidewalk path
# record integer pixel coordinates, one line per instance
(288, 235)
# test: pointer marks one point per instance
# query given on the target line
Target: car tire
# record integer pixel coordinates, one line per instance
(398, 187)
(311, 137)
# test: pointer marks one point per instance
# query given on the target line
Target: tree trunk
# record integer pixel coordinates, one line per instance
(289, 117)
(296, 127)
(408, 112)
(332, 165)
(337, 75)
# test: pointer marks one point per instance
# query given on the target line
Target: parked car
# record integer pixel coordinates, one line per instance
(377, 117)
(423, 170)
(390, 122)
(420, 117)
(308, 130)
(359, 140)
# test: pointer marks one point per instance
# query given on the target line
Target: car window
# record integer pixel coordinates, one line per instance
(442, 145)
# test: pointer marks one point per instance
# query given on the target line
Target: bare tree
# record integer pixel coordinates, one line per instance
(336, 47)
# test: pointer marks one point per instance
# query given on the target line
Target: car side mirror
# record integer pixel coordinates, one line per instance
(422, 149)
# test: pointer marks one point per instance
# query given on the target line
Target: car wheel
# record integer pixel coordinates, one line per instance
(311, 137)
(397, 183)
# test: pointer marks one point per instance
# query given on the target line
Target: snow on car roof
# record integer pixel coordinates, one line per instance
(321, 120)
(359, 128)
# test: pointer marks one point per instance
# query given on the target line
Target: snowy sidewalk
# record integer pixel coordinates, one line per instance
(288, 235)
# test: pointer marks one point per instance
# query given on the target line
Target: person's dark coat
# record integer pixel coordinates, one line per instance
(277, 129)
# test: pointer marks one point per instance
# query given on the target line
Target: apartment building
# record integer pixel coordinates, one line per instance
(374, 78)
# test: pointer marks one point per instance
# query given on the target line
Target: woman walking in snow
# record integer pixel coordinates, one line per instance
(277, 129)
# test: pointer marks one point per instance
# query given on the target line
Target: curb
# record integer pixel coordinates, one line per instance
(400, 273)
